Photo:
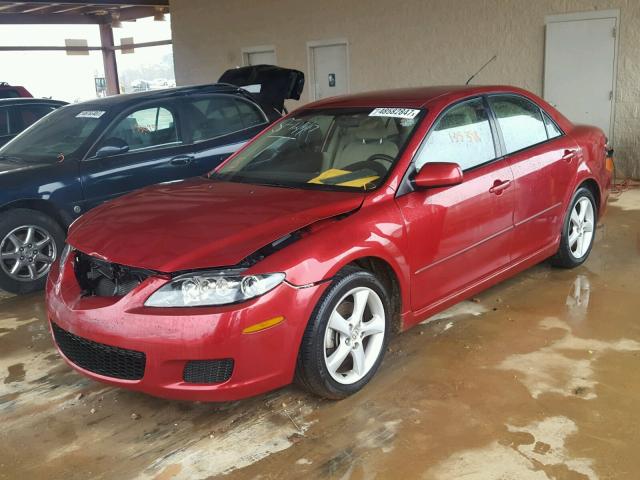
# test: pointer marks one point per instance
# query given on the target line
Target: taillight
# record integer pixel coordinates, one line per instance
(608, 163)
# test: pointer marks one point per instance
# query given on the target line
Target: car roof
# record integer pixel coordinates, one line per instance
(20, 100)
(417, 97)
(123, 99)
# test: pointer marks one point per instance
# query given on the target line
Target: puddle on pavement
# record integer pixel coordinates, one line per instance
(537, 378)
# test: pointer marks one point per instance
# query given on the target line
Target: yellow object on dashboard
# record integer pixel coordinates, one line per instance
(335, 172)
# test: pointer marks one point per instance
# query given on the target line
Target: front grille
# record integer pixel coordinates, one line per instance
(104, 279)
(208, 371)
(100, 358)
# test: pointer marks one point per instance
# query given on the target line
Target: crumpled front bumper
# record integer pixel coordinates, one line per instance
(169, 338)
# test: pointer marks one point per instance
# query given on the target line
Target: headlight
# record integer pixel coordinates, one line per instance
(213, 288)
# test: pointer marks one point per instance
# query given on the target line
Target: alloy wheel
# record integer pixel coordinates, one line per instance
(354, 336)
(27, 253)
(581, 228)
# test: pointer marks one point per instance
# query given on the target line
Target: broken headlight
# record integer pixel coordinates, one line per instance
(64, 256)
(201, 289)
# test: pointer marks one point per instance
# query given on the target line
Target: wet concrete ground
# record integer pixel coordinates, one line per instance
(535, 379)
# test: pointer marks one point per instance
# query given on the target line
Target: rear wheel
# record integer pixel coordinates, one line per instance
(345, 340)
(578, 231)
(30, 241)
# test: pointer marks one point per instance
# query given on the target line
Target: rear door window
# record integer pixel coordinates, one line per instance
(146, 128)
(519, 120)
(9, 93)
(27, 115)
(4, 121)
(214, 116)
(461, 135)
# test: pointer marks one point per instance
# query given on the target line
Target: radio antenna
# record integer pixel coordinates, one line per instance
(481, 68)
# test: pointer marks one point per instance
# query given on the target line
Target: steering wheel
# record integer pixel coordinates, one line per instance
(370, 164)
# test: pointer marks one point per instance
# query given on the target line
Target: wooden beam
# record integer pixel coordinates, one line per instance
(45, 48)
(51, 19)
(109, 60)
(49, 48)
(155, 43)
(114, 3)
(133, 13)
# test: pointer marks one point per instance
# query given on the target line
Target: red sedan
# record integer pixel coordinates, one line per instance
(349, 219)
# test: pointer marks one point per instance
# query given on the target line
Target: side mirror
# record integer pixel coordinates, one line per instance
(438, 175)
(112, 146)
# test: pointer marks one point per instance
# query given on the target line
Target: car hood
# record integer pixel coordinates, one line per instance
(200, 223)
(8, 166)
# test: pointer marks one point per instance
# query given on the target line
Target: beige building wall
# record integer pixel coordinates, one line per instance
(398, 43)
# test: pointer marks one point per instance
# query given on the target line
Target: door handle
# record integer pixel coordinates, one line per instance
(569, 154)
(499, 186)
(181, 160)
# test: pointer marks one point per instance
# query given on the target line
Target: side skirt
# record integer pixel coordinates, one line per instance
(411, 318)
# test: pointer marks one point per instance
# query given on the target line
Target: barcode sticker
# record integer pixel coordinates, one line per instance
(395, 112)
(90, 114)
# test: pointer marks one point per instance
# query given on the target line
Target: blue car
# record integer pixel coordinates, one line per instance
(81, 155)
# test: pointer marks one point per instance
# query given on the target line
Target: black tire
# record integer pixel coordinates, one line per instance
(311, 371)
(12, 219)
(564, 258)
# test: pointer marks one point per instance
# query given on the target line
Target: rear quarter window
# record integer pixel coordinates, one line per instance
(27, 115)
(552, 129)
(9, 93)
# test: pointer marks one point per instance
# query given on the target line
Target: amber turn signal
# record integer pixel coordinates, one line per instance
(258, 327)
(609, 164)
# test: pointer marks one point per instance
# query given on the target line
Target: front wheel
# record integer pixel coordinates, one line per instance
(578, 231)
(346, 337)
(30, 242)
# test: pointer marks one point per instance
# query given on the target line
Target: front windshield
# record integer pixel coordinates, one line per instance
(61, 132)
(335, 149)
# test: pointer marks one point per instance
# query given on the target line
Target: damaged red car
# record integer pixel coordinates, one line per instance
(298, 257)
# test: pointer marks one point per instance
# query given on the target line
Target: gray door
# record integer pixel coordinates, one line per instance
(330, 70)
(579, 69)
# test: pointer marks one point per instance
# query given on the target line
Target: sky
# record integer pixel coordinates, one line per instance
(71, 77)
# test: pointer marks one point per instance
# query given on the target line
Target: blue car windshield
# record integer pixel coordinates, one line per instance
(61, 132)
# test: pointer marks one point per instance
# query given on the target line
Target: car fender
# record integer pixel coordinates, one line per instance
(592, 165)
(327, 247)
(49, 208)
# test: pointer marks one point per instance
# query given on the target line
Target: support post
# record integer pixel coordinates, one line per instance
(109, 59)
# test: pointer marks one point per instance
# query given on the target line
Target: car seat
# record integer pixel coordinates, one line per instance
(370, 137)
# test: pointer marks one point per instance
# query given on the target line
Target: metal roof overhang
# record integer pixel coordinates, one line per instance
(72, 12)
(103, 13)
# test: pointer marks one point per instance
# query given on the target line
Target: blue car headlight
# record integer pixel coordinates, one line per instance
(199, 289)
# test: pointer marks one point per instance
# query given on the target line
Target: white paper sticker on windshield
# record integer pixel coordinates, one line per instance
(90, 114)
(394, 112)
